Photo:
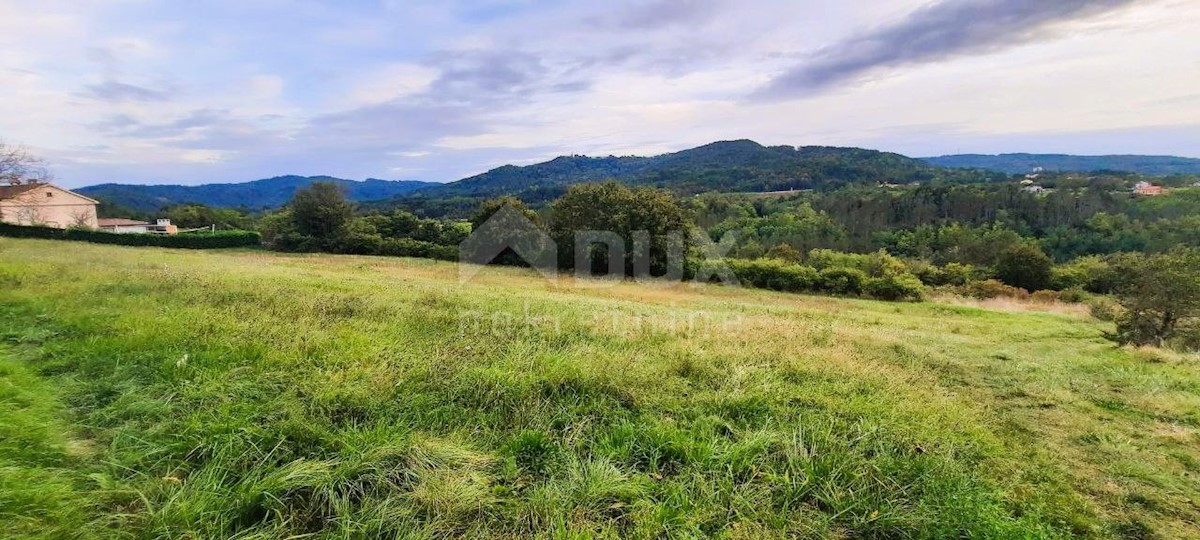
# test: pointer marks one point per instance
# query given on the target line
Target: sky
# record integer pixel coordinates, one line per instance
(202, 91)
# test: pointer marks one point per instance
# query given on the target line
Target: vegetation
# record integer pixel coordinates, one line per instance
(1024, 266)
(1161, 296)
(18, 166)
(152, 393)
(202, 240)
(625, 212)
(722, 166)
(258, 195)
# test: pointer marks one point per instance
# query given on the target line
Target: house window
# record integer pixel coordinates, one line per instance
(49, 194)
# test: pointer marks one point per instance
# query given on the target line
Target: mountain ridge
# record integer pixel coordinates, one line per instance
(737, 165)
(1018, 163)
(266, 193)
(732, 166)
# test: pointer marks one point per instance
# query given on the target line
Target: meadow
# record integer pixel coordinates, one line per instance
(155, 393)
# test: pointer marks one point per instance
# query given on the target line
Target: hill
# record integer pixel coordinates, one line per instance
(1024, 163)
(255, 195)
(149, 393)
(729, 166)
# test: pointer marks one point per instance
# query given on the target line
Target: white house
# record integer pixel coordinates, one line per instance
(133, 226)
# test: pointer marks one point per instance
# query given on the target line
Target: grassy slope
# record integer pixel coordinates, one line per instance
(155, 393)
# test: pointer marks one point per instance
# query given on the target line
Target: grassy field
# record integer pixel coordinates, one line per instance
(148, 393)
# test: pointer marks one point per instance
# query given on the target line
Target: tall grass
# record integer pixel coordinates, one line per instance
(152, 393)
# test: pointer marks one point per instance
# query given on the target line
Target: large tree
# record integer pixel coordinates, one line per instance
(632, 215)
(1161, 294)
(320, 210)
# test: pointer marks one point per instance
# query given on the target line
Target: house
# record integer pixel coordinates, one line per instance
(39, 203)
(1147, 189)
(133, 226)
(1033, 188)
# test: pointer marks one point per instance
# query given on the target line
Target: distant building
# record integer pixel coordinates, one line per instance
(1147, 189)
(1033, 189)
(46, 205)
(133, 226)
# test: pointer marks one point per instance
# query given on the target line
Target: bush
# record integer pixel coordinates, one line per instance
(1104, 308)
(952, 274)
(784, 252)
(1045, 297)
(878, 264)
(1025, 266)
(842, 281)
(407, 247)
(896, 288)
(774, 274)
(1074, 296)
(217, 240)
(1092, 274)
(991, 288)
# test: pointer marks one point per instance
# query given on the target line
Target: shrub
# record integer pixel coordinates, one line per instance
(991, 288)
(842, 281)
(1025, 266)
(1092, 274)
(1074, 296)
(952, 274)
(358, 237)
(784, 252)
(774, 274)
(407, 247)
(896, 288)
(878, 264)
(1104, 308)
(217, 240)
(1045, 297)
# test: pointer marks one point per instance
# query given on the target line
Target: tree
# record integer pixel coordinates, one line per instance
(1160, 293)
(629, 213)
(320, 210)
(18, 166)
(1025, 266)
(784, 252)
(489, 207)
(194, 216)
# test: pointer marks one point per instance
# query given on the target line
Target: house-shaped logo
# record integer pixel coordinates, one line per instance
(510, 237)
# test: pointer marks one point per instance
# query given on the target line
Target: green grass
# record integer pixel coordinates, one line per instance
(148, 393)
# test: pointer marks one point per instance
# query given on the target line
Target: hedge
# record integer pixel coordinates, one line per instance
(840, 281)
(216, 240)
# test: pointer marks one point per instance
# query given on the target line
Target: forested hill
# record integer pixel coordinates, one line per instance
(729, 166)
(257, 195)
(1023, 163)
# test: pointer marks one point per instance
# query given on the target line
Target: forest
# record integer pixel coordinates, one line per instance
(1082, 242)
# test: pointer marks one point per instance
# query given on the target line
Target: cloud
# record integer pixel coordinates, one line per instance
(658, 14)
(125, 125)
(486, 75)
(937, 31)
(115, 92)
